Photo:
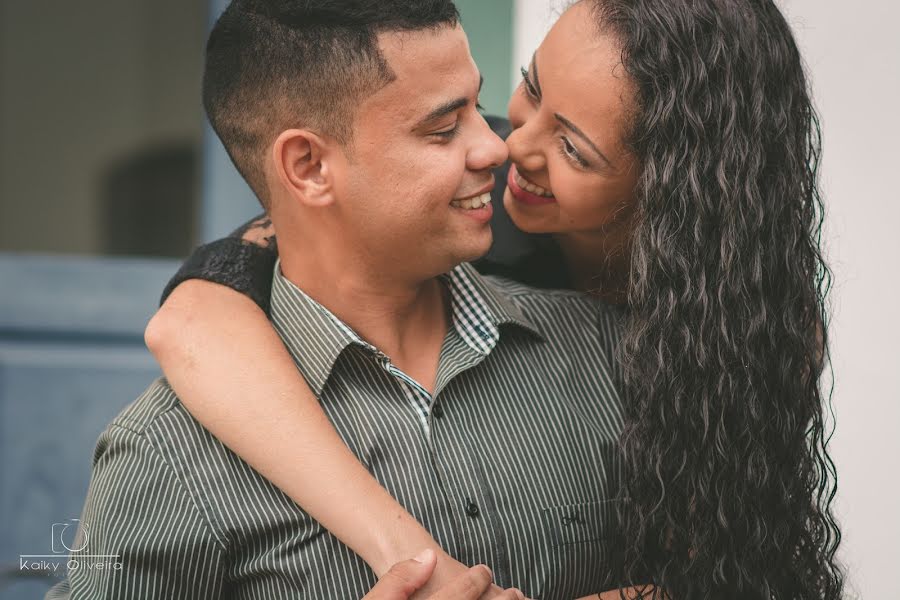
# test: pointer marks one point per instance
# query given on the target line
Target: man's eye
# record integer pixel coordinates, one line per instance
(448, 133)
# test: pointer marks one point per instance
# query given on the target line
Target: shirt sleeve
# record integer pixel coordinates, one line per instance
(233, 262)
(142, 529)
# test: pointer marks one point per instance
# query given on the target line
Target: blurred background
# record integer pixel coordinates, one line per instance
(109, 176)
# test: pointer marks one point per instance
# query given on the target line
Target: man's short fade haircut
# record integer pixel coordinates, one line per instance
(273, 65)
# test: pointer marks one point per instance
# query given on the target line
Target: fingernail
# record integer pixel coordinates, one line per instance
(424, 556)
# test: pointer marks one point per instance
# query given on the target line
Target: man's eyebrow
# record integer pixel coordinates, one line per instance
(447, 108)
(571, 127)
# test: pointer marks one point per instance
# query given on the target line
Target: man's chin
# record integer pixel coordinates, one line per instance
(468, 253)
(479, 247)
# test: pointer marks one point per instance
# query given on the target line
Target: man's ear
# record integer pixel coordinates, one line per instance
(301, 161)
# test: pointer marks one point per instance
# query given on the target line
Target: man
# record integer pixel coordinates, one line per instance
(487, 408)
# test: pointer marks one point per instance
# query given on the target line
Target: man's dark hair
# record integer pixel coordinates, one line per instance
(276, 64)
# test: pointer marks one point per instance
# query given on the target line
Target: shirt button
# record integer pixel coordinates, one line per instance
(472, 509)
(438, 411)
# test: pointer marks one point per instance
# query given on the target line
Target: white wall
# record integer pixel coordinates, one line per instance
(853, 53)
(533, 19)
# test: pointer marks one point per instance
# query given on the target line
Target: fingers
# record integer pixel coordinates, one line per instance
(511, 594)
(404, 578)
(497, 593)
(469, 586)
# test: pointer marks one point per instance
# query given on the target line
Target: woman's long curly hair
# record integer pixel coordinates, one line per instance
(728, 484)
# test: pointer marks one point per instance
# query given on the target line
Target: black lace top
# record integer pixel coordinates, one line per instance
(245, 259)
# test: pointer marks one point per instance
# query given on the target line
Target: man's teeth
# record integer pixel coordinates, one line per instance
(473, 203)
(534, 189)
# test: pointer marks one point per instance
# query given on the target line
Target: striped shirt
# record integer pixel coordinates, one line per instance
(512, 462)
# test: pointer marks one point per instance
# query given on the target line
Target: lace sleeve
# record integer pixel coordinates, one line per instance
(258, 231)
(243, 261)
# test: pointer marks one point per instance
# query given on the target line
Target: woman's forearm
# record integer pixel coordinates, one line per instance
(228, 366)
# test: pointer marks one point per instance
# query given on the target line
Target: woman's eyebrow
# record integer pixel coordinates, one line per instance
(571, 127)
(564, 121)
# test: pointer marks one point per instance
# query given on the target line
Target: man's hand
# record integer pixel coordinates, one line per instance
(405, 578)
(449, 570)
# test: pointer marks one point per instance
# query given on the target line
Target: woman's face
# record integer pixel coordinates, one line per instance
(571, 172)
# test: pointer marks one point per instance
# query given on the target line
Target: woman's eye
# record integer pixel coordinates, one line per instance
(529, 87)
(572, 152)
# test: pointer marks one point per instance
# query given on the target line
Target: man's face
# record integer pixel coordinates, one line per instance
(420, 152)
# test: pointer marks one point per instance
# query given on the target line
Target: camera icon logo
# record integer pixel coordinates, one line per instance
(64, 537)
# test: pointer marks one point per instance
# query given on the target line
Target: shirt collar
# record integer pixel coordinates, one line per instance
(479, 309)
(315, 337)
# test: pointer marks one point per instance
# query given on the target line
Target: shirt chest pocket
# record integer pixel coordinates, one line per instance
(580, 523)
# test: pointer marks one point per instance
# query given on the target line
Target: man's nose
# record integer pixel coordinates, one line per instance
(488, 149)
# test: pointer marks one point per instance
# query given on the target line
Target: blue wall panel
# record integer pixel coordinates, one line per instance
(71, 357)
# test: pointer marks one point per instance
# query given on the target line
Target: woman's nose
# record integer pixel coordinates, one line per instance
(525, 149)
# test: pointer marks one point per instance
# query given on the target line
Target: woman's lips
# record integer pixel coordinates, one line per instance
(523, 195)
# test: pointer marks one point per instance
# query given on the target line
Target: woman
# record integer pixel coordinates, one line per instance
(670, 148)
